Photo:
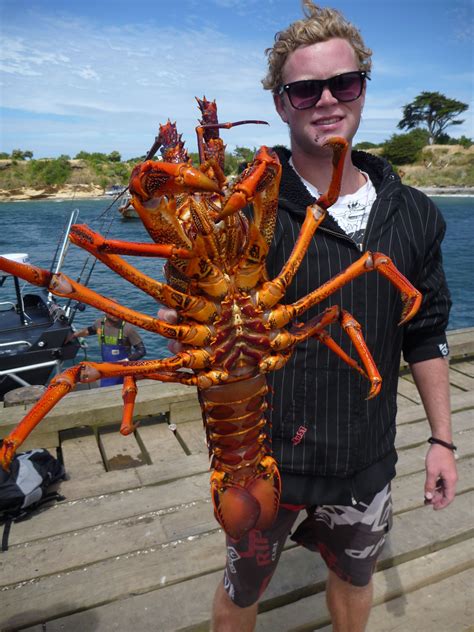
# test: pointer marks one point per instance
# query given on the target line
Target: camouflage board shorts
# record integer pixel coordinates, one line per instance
(349, 539)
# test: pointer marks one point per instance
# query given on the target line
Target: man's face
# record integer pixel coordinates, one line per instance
(112, 320)
(310, 129)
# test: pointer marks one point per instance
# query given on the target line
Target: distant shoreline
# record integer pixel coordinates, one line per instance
(448, 191)
(91, 192)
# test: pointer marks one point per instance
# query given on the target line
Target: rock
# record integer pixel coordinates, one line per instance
(23, 395)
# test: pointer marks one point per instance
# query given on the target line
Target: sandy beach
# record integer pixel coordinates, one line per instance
(81, 191)
(68, 192)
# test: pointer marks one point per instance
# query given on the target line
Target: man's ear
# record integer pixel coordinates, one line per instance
(280, 107)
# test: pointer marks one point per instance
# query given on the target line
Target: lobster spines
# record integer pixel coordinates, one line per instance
(172, 147)
(211, 146)
(209, 117)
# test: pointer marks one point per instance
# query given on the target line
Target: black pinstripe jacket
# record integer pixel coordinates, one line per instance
(347, 445)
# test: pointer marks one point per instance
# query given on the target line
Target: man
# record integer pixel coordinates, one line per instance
(336, 449)
(118, 340)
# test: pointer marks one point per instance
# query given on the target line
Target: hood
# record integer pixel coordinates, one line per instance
(295, 197)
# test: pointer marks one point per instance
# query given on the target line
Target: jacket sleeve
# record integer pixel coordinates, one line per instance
(425, 335)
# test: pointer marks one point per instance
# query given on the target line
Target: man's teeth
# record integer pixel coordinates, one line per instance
(328, 121)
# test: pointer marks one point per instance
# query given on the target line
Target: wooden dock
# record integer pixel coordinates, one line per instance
(135, 545)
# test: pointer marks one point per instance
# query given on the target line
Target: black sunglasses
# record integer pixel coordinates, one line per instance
(345, 87)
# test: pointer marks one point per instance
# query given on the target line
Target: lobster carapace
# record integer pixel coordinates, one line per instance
(231, 324)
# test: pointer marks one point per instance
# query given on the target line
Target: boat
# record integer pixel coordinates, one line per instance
(34, 329)
(115, 189)
(126, 209)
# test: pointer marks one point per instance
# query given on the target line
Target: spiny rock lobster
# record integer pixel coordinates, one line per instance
(231, 325)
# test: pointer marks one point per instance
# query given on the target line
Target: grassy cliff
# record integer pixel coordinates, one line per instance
(437, 166)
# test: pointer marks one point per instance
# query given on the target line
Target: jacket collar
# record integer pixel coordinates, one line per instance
(295, 197)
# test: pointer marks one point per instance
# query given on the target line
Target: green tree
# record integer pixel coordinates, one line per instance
(114, 156)
(4, 155)
(365, 144)
(464, 141)
(244, 154)
(404, 149)
(434, 110)
(49, 172)
(18, 154)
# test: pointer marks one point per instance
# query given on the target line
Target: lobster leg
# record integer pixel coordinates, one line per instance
(315, 328)
(66, 381)
(285, 341)
(272, 291)
(62, 285)
(198, 308)
(83, 236)
(129, 395)
(410, 296)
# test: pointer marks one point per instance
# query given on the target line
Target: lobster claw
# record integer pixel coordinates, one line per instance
(259, 174)
(153, 179)
(251, 505)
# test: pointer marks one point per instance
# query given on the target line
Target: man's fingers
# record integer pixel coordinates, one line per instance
(168, 315)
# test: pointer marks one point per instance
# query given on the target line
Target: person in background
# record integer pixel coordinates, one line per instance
(335, 448)
(118, 341)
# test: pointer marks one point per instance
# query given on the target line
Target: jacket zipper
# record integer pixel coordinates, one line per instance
(341, 236)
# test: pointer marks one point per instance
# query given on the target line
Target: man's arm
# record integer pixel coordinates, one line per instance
(432, 380)
(82, 333)
(136, 343)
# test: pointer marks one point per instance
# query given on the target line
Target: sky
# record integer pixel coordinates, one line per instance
(102, 75)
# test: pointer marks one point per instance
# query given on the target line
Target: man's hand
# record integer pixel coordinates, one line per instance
(441, 477)
(170, 316)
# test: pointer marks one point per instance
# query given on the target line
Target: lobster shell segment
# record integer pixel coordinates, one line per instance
(245, 484)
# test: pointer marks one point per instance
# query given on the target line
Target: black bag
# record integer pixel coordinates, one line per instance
(24, 488)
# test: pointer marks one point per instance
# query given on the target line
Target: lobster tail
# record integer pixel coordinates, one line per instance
(245, 484)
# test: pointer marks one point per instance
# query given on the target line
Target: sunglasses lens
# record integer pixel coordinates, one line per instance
(346, 87)
(304, 94)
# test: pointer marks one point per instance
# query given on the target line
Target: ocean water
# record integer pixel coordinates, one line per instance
(35, 227)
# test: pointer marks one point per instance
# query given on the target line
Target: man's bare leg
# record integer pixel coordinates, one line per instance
(227, 617)
(349, 605)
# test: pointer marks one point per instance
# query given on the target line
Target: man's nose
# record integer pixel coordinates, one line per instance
(326, 97)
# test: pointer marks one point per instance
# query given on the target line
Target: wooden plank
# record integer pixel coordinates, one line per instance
(311, 612)
(121, 480)
(48, 440)
(461, 380)
(405, 404)
(446, 606)
(186, 411)
(81, 454)
(71, 516)
(466, 367)
(461, 342)
(418, 432)
(143, 571)
(408, 390)
(118, 537)
(459, 401)
(104, 406)
(120, 452)
(159, 442)
(193, 436)
(408, 491)
(458, 380)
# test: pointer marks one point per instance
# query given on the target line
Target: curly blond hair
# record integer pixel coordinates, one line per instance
(319, 25)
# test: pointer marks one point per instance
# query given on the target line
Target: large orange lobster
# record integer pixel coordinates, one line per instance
(231, 323)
